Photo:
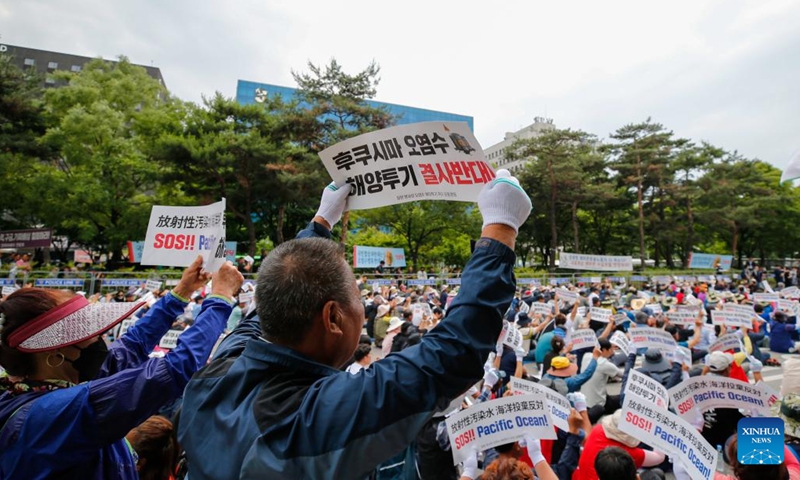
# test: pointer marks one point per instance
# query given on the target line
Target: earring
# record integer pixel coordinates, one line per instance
(47, 361)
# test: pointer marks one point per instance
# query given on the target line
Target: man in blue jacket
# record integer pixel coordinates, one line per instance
(273, 404)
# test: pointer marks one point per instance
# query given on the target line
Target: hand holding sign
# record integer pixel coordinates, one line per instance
(503, 201)
(193, 278)
(227, 281)
(332, 205)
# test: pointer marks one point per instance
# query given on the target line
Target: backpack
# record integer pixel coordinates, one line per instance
(558, 385)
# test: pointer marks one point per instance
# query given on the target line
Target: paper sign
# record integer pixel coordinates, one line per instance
(574, 261)
(788, 306)
(583, 338)
(176, 235)
(621, 341)
(601, 314)
(82, 256)
(666, 432)
(770, 394)
(371, 257)
(711, 391)
(742, 309)
(766, 297)
(153, 285)
(8, 290)
(581, 312)
(646, 388)
(524, 307)
(498, 422)
(732, 319)
(790, 292)
(647, 337)
(710, 260)
(621, 318)
(125, 325)
(566, 296)
(558, 406)
(510, 336)
(729, 341)
(170, 339)
(246, 297)
(767, 287)
(656, 308)
(543, 309)
(420, 161)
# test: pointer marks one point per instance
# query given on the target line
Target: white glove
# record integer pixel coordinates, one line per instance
(471, 464)
(503, 201)
(578, 401)
(755, 365)
(500, 349)
(680, 357)
(534, 449)
(333, 203)
(490, 378)
(489, 362)
(520, 353)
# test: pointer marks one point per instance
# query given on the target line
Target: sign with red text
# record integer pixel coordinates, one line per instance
(710, 391)
(729, 341)
(420, 161)
(731, 318)
(666, 432)
(621, 341)
(647, 337)
(601, 314)
(176, 235)
(558, 405)
(646, 388)
(583, 338)
(497, 422)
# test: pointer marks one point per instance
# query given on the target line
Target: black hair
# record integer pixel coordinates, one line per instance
(603, 343)
(361, 352)
(614, 463)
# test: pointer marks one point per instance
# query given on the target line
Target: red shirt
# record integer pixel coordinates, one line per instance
(597, 441)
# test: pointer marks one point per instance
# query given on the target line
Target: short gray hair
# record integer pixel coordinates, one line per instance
(294, 283)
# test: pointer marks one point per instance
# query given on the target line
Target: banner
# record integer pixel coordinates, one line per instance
(135, 250)
(371, 257)
(647, 337)
(601, 314)
(170, 339)
(621, 341)
(558, 406)
(58, 283)
(710, 391)
(607, 263)
(666, 432)
(710, 261)
(731, 318)
(646, 388)
(176, 235)
(34, 238)
(729, 341)
(583, 338)
(420, 161)
(498, 422)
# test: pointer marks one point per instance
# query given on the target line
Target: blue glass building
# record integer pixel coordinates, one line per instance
(246, 93)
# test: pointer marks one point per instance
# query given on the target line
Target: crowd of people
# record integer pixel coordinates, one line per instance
(316, 374)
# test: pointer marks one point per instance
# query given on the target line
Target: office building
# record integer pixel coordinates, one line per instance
(254, 92)
(496, 154)
(46, 62)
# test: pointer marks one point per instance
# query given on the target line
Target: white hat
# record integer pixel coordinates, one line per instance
(719, 361)
(394, 324)
(383, 309)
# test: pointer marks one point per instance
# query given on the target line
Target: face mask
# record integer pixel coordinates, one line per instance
(91, 360)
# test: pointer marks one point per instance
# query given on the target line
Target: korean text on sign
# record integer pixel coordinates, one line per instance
(421, 161)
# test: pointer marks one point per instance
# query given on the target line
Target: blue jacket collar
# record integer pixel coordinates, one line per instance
(262, 350)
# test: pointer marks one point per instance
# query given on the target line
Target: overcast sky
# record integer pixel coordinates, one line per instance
(725, 71)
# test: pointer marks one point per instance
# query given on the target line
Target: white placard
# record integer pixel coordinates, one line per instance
(524, 307)
(790, 307)
(790, 292)
(732, 319)
(583, 338)
(729, 341)
(498, 422)
(558, 406)
(510, 336)
(543, 309)
(647, 337)
(125, 325)
(420, 161)
(621, 341)
(176, 235)
(646, 388)
(170, 339)
(710, 391)
(153, 285)
(566, 296)
(8, 290)
(742, 309)
(655, 307)
(605, 263)
(601, 314)
(770, 394)
(246, 297)
(581, 312)
(767, 287)
(766, 297)
(666, 432)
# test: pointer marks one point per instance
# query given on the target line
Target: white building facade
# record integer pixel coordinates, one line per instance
(496, 154)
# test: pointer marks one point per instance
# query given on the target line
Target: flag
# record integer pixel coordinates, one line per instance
(792, 170)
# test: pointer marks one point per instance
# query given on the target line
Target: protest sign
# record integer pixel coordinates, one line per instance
(230, 252)
(135, 250)
(790, 292)
(707, 392)
(647, 337)
(510, 336)
(656, 308)
(646, 388)
(580, 312)
(666, 432)
(170, 339)
(498, 422)
(543, 309)
(558, 406)
(770, 394)
(246, 297)
(82, 256)
(731, 318)
(788, 306)
(566, 295)
(153, 285)
(8, 290)
(371, 257)
(176, 235)
(37, 238)
(729, 341)
(766, 297)
(742, 309)
(583, 338)
(574, 261)
(125, 325)
(767, 287)
(621, 341)
(601, 314)
(420, 161)
(524, 307)
(710, 260)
